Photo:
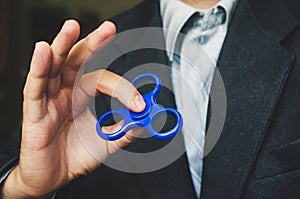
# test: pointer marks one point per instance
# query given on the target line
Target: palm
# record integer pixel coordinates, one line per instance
(57, 148)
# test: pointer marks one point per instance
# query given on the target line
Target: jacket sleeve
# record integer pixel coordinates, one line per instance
(9, 156)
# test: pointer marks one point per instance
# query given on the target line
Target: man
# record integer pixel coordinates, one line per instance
(256, 156)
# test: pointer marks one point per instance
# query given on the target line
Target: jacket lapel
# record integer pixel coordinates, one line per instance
(254, 68)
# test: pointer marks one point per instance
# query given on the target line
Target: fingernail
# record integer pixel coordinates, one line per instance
(37, 45)
(66, 26)
(101, 27)
(139, 102)
(63, 26)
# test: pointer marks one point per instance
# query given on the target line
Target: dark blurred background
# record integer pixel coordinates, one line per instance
(22, 23)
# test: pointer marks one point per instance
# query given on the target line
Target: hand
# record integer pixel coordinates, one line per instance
(52, 153)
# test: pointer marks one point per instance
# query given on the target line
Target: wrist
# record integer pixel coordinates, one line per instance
(11, 187)
(14, 188)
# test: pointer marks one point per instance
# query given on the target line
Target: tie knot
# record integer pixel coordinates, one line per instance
(211, 19)
(216, 17)
(201, 26)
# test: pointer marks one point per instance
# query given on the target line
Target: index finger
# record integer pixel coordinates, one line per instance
(109, 83)
(83, 50)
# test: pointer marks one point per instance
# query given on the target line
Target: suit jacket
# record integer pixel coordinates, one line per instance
(258, 152)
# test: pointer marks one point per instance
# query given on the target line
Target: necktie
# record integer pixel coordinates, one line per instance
(192, 75)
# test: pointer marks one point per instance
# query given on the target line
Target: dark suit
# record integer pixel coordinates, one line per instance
(258, 153)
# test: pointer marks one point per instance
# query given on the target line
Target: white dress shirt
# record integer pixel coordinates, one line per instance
(191, 84)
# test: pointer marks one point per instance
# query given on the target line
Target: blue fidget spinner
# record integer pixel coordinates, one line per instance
(144, 118)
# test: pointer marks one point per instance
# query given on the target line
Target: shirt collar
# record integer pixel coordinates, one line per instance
(175, 14)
